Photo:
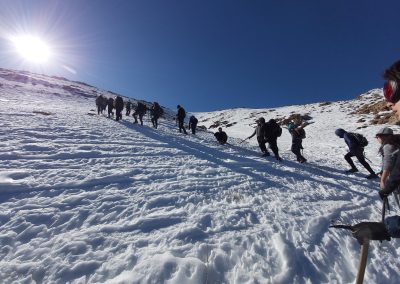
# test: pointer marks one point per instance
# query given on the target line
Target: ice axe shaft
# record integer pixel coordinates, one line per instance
(363, 261)
(364, 232)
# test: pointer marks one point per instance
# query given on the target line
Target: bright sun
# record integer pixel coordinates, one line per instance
(32, 48)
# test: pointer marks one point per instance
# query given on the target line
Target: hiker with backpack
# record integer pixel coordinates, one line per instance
(156, 112)
(388, 151)
(391, 92)
(260, 133)
(99, 104)
(272, 132)
(128, 106)
(221, 136)
(296, 130)
(356, 143)
(110, 105)
(119, 106)
(180, 117)
(193, 124)
(140, 111)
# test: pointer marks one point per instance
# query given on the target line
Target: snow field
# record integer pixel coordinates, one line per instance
(86, 199)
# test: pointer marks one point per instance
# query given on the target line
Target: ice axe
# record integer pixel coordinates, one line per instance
(365, 232)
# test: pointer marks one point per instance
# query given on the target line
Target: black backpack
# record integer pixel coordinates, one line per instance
(301, 132)
(361, 140)
(277, 130)
(193, 120)
(141, 107)
(158, 110)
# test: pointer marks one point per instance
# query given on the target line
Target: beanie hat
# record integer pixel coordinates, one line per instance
(340, 132)
(385, 131)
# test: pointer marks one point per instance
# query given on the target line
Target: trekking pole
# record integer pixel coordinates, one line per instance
(384, 201)
(396, 198)
(365, 156)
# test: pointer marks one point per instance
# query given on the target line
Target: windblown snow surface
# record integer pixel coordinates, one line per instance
(86, 199)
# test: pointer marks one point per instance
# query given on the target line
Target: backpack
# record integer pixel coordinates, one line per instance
(361, 140)
(301, 132)
(158, 110)
(277, 130)
(193, 120)
(181, 113)
(141, 107)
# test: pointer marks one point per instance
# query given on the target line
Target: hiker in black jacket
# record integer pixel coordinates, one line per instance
(110, 105)
(119, 106)
(260, 133)
(180, 117)
(357, 150)
(156, 112)
(99, 103)
(272, 132)
(296, 129)
(391, 91)
(193, 124)
(128, 108)
(140, 110)
(221, 136)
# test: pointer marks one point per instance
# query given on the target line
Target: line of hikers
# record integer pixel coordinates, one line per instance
(268, 132)
(139, 110)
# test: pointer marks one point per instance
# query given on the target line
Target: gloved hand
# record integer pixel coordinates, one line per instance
(383, 194)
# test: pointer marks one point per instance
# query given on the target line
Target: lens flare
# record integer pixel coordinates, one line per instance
(32, 48)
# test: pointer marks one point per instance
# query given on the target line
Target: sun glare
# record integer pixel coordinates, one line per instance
(32, 49)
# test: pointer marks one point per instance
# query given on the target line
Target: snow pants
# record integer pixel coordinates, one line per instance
(360, 157)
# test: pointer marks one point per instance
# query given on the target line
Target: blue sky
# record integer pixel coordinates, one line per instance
(211, 55)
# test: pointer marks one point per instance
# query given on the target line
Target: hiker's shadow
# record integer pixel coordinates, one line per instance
(213, 154)
(253, 167)
(315, 170)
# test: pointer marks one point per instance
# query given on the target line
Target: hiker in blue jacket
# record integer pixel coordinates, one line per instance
(355, 149)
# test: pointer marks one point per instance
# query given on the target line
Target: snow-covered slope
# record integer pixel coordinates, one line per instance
(86, 199)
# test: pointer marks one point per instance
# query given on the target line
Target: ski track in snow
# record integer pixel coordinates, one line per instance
(86, 199)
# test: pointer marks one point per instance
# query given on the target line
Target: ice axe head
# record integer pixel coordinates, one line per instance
(367, 231)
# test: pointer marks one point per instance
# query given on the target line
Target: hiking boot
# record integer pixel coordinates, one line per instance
(372, 176)
(266, 154)
(352, 170)
(278, 158)
(302, 160)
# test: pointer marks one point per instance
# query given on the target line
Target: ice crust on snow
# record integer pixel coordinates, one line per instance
(86, 199)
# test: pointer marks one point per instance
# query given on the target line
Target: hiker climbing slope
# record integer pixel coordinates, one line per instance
(356, 149)
(119, 106)
(296, 130)
(156, 112)
(140, 111)
(180, 117)
(193, 124)
(272, 132)
(221, 136)
(260, 132)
